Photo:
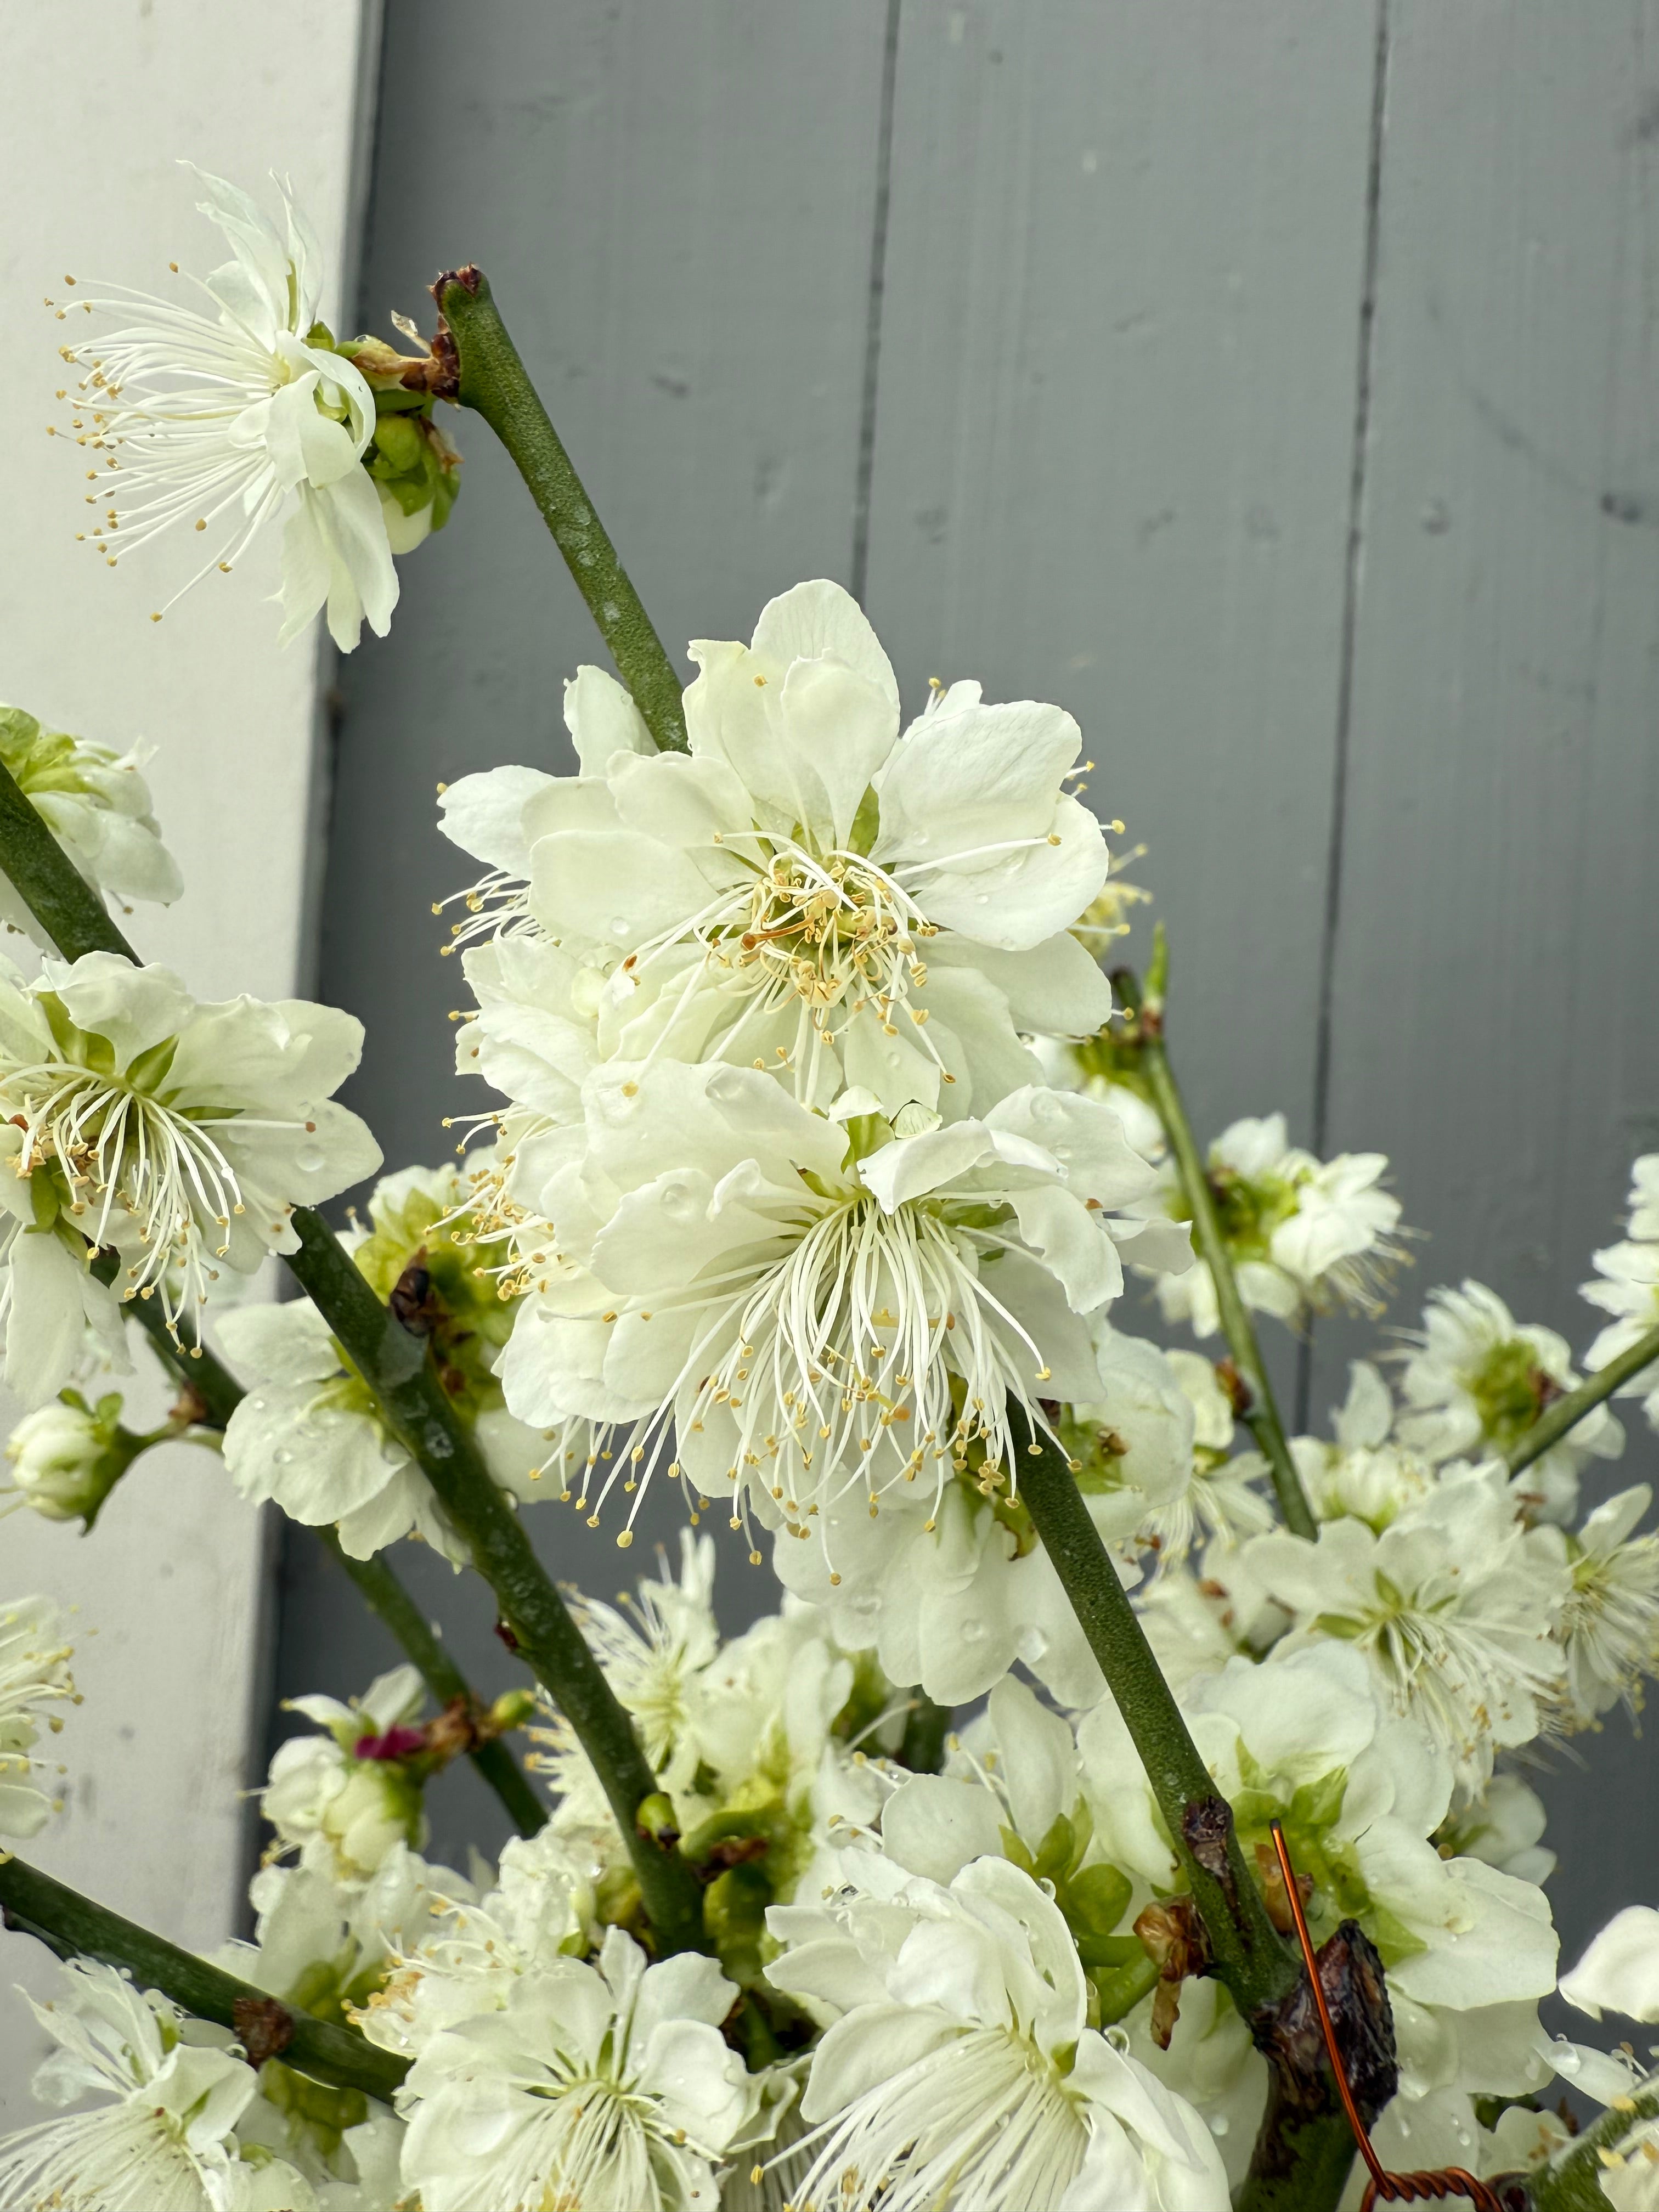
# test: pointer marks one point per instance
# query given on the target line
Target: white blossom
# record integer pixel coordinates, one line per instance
(97, 804)
(607, 2084)
(654, 1653)
(811, 890)
(1619, 1972)
(181, 1133)
(1364, 1470)
(1478, 1381)
(1627, 1287)
(67, 1456)
(1610, 1621)
(469, 1950)
(818, 1320)
(1199, 1615)
(33, 1676)
(1506, 1827)
(948, 1594)
(1455, 1604)
(310, 1435)
(163, 2137)
(240, 412)
(761, 1726)
(344, 1798)
(957, 2062)
(1303, 1235)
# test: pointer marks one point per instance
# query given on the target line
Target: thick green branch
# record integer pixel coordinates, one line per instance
(1566, 1412)
(492, 381)
(1247, 1951)
(74, 1927)
(386, 1596)
(1260, 1410)
(398, 1369)
(219, 1394)
(1305, 2149)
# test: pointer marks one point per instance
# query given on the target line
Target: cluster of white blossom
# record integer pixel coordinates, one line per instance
(819, 1166)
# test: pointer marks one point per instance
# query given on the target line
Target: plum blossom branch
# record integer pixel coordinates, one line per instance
(217, 1394)
(1259, 1409)
(491, 379)
(74, 1926)
(1567, 1411)
(398, 1371)
(1305, 2149)
(1246, 1950)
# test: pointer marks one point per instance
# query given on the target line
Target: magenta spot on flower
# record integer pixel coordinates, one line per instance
(396, 1743)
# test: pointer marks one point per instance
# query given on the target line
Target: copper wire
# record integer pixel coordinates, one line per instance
(1383, 2187)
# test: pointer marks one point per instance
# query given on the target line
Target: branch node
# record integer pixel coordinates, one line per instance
(265, 2028)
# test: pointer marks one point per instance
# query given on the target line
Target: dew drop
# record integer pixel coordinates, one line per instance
(972, 1632)
(309, 1159)
(619, 925)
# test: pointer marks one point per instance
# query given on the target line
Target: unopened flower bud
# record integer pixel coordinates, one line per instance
(67, 1458)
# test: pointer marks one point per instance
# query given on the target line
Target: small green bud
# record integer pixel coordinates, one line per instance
(656, 1818)
(511, 1709)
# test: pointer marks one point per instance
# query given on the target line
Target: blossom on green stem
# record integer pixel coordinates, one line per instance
(97, 804)
(68, 1456)
(240, 412)
(1478, 1380)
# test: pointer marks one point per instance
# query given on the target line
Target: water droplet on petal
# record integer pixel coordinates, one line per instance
(619, 925)
(309, 1157)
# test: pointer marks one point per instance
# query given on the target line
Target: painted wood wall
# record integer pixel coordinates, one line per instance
(1271, 383)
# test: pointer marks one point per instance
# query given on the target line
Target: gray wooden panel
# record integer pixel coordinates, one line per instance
(675, 207)
(1492, 1011)
(1114, 446)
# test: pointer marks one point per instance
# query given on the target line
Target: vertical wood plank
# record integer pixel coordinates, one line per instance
(675, 208)
(1492, 1008)
(1114, 444)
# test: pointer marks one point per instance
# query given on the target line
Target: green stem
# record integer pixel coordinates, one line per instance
(492, 381)
(74, 1927)
(220, 1395)
(1570, 2182)
(48, 882)
(1249, 1954)
(1260, 1410)
(1301, 2164)
(1305, 2149)
(1554, 1422)
(398, 1370)
(925, 1727)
